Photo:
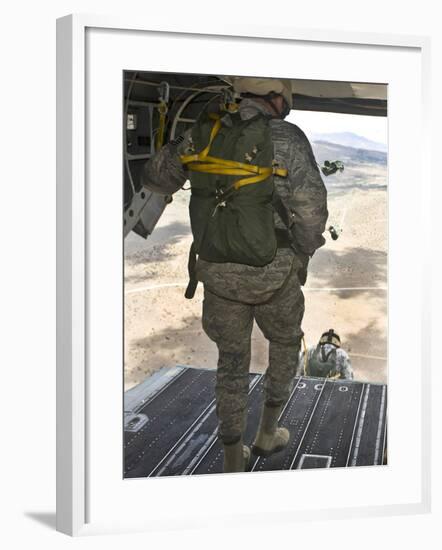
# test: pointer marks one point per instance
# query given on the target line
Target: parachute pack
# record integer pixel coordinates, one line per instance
(231, 207)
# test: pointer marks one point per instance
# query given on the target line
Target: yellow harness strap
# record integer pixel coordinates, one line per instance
(202, 162)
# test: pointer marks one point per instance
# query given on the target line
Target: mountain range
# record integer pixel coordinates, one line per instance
(350, 156)
(349, 139)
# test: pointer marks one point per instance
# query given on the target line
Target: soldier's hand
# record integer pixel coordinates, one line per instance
(164, 172)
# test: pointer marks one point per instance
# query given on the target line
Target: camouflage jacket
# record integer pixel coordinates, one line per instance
(303, 195)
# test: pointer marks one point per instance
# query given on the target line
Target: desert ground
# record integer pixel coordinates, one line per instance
(346, 287)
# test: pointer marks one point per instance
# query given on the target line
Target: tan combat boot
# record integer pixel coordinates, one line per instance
(236, 457)
(270, 438)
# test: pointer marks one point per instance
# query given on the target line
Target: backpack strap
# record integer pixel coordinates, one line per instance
(204, 162)
(193, 281)
(278, 205)
(325, 356)
(333, 374)
(281, 210)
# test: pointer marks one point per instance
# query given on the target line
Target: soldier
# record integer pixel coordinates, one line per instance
(236, 294)
(326, 360)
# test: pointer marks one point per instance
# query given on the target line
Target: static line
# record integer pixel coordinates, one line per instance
(305, 289)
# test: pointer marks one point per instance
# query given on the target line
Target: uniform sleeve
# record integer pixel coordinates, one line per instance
(308, 202)
(164, 173)
(343, 366)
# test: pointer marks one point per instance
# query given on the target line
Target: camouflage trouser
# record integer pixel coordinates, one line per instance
(229, 324)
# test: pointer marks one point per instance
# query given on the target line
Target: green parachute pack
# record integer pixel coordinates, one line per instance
(231, 174)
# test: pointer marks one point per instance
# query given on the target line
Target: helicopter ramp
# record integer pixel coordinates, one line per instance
(170, 425)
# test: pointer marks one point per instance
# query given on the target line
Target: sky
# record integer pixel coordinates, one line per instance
(370, 127)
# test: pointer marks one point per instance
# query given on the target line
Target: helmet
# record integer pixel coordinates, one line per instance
(330, 337)
(263, 86)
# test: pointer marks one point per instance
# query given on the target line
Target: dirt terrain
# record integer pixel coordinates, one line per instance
(346, 287)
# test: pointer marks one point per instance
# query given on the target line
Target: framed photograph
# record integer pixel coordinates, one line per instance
(241, 297)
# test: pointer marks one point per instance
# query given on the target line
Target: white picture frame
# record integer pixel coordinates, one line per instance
(92, 496)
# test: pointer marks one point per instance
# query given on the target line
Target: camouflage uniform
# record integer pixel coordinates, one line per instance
(229, 324)
(236, 294)
(339, 362)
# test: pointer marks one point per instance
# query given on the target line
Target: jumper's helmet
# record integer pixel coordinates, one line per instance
(330, 337)
(263, 87)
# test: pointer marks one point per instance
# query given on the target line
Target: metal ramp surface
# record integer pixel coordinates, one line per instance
(171, 425)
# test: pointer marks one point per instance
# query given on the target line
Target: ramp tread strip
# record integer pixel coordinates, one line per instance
(308, 424)
(384, 446)
(326, 433)
(380, 426)
(355, 425)
(357, 441)
(373, 418)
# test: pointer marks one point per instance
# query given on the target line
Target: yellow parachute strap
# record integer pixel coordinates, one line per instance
(162, 109)
(185, 159)
(216, 169)
(202, 162)
(305, 356)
